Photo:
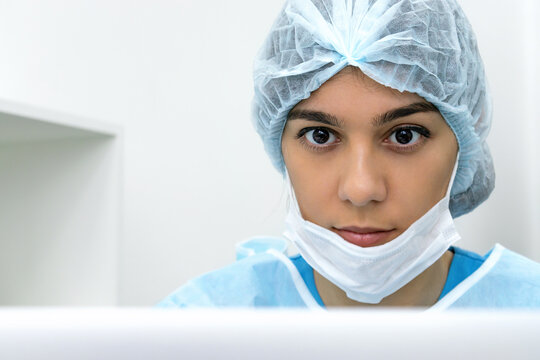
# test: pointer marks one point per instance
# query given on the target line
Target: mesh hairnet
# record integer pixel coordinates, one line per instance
(425, 47)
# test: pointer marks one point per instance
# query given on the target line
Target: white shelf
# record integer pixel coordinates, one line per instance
(60, 208)
(23, 123)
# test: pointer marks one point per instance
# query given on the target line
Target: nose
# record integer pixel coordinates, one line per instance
(362, 180)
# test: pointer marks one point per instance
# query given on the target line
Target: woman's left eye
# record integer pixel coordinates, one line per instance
(407, 136)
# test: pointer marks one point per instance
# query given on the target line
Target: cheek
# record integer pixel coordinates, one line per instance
(313, 183)
(423, 186)
(314, 192)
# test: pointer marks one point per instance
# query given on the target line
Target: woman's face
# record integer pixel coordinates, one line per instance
(366, 161)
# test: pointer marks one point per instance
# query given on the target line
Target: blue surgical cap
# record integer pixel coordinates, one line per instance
(425, 47)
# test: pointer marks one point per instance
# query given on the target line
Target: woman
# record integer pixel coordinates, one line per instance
(376, 113)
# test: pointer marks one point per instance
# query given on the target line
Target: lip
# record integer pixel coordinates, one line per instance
(364, 237)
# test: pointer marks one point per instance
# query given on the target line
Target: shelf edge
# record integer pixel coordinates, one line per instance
(55, 117)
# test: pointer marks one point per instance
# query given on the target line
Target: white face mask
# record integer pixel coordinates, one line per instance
(369, 274)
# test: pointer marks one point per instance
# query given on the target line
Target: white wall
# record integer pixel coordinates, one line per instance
(58, 222)
(177, 76)
(508, 36)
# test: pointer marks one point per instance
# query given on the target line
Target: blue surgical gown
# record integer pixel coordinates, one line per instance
(499, 279)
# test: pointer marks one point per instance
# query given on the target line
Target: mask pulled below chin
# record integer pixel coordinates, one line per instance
(370, 274)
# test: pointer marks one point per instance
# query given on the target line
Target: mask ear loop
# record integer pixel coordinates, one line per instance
(453, 177)
(292, 197)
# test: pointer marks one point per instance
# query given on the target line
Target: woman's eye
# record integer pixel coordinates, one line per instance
(320, 136)
(405, 136)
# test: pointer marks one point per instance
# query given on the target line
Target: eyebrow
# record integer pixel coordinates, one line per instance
(403, 111)
(317, 116)
(379, 120)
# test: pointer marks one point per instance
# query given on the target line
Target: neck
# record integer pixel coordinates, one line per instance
(424, 290)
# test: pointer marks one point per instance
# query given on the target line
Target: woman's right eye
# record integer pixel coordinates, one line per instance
(319, 136)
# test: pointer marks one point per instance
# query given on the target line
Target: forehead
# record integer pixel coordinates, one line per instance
(352, 92)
